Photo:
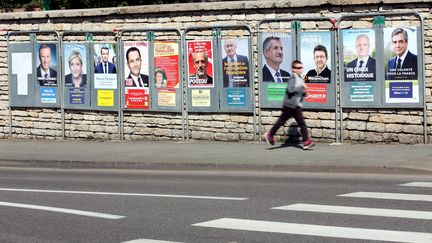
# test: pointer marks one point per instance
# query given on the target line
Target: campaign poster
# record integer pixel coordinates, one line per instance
(402, 91)
(105, 66)
(276, 92)
(76, 96)
(316, 93)
(137, 95)
(200, 64)
(401, 65)
(235, 62)
(236, 97)
(22, 67)
(166, 62)
(315, 53)
(75, 65)
(105, 98)
(361, 92)
(359, 55)
(166, 97)
(137, 99)
(46, 64)
(48, 95)
(276, 57)
(201, 98)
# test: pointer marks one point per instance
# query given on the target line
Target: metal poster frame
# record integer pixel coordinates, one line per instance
(296, 34)
(379, 23)
(151, 38)
(32, 97)
(218, 90)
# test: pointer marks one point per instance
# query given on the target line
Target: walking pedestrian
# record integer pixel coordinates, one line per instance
(293, 107)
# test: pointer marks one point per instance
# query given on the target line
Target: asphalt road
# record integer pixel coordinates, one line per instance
(36, 205)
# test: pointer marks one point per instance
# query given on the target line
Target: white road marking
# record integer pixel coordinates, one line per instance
(124, 194)
(149, 241)
(382, 212)
(418, 184)
(391, 196)
(317, 230)
(62, 210)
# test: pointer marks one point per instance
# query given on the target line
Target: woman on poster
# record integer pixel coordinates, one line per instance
(76, 78)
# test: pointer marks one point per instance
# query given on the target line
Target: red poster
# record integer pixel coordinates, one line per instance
(137, 98)
(200, 64)
(316, 93)
(166, 62)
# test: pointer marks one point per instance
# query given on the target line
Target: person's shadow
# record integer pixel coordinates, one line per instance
(292, 138)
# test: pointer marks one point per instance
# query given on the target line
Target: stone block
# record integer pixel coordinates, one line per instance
(356, 125)
(376, 127)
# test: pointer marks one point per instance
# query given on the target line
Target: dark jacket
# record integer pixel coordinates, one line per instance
(268, 77)
(50, 81)
(243, 61)
(369, 75)
(130, 83)
(69, 83)
(111, 68)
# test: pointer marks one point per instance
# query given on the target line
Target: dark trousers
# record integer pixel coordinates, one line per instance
(287, 113)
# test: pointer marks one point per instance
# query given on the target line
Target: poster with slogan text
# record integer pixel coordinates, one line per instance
(136, 82)
(166, 63)
(401, 65)
(200, 64)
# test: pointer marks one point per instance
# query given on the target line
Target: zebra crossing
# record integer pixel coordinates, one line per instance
(341, 231)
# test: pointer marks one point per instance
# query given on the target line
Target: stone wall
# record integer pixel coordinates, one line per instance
(359, 125)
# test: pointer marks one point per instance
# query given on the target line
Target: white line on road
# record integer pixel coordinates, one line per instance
(62, 210)
(317, 230)
(149, 241)
(123, 194)
(391, 196)
(418, 184)
(382, 212)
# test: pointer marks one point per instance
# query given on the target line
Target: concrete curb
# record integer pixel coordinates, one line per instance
(188, 166)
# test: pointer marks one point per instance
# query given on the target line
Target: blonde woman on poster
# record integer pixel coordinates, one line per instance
(76, 78)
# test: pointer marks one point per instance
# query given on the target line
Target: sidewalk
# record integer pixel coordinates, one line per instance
(204, 155)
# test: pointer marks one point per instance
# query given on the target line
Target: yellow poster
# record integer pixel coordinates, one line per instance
(105, 97)
(201, 97)
(167, 97)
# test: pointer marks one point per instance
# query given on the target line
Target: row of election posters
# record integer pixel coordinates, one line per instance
(95, 78)
(360, 68)
(104, 74)
(400, 67)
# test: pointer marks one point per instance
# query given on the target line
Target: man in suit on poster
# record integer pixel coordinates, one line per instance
(404, 64)
(46, 75)
(273, 54)
(105, 66)
(363, 67)
(235, 66)
(135, 78)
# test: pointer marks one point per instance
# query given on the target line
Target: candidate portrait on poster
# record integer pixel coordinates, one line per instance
(104, 54)
(46, 70)
(276, 55)
(136, 64)
(400, 45)
(316, 56)
(200, 63)
(75, 65)
(235, 62)
(359, 55)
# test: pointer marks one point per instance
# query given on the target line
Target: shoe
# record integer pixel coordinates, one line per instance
(270, 140)
(308, 144)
